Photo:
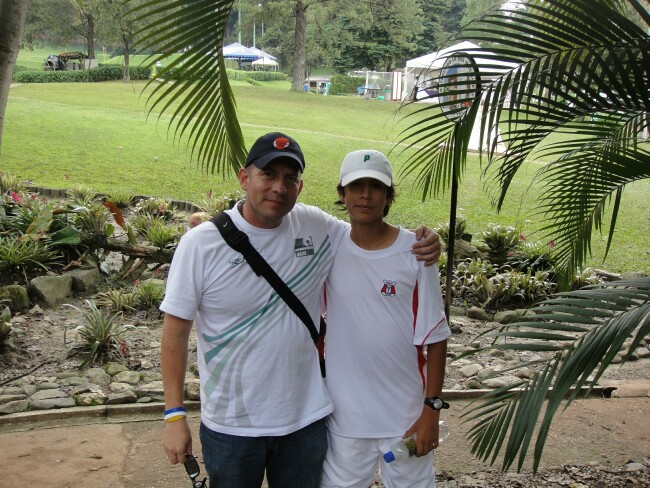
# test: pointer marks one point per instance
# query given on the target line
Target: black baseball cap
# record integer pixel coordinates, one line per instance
(272, 146)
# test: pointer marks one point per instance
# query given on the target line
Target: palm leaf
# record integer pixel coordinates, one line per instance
(580, 70)
(197, 91)
(617, 310)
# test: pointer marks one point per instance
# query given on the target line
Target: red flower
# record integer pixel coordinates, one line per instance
(15, 197)
(551, 244)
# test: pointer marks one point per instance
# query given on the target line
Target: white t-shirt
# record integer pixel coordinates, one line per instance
(381, 306)
(257, 362)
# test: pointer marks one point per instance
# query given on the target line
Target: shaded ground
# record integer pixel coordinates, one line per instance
(594, 437)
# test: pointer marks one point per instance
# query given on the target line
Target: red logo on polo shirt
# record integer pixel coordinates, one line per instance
(281, 143)
(388, 290)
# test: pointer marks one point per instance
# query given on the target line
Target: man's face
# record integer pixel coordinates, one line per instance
(271, 192)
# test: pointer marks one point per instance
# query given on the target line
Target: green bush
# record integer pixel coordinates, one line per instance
(345, 85)
(105, 72)
(51, 77)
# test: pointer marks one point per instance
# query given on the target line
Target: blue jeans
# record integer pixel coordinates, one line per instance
(291, 461)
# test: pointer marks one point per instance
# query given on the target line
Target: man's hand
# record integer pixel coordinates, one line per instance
(177, 441)
(427, 246)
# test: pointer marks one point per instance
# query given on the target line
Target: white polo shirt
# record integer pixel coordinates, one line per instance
(257, 362)
(382, 306)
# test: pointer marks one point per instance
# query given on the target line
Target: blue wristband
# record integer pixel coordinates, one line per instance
(175, 410)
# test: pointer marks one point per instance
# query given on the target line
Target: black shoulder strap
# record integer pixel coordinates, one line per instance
(239, 241)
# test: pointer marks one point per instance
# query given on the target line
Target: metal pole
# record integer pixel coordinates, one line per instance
(452, 221)
(239, 21)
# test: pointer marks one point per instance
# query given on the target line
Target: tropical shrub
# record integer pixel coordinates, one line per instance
(101, 338)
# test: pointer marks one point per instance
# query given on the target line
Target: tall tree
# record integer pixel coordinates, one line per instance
(12, 20)
(117, 27)
(372, 35)
(435, 25)
(475, 9)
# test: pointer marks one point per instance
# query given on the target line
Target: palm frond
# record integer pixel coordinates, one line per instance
(597, 320)
(577, 69)
(195, 87)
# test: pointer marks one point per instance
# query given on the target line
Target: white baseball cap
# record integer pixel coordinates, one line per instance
(366, 163)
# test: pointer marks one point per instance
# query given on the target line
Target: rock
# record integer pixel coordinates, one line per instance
(98, 376)
(524, 373)
(118, 398)
(16, 296)
(11, 398)
(14, 407)
(633, 275)
(486, 373)
(507, 316)
(634, 467)
(47, 385)
(478, 313)
(500, 381)
(150, 389)
(455, 311)
(150, 376)
(120, 387)
(51, 291)
(470, 370)
(193, 389)
(465, 250)
(85, 280)
(90, 399)
(49, 403)
(75, 381)
(130, 377)
(473, 384)
(144, 399)
(48, 394)
(115, 368)
(606, 275)
(28, 390)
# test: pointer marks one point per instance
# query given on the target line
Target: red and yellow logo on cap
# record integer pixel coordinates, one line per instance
(281, 143)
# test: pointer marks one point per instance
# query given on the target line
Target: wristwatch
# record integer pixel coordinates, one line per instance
(436, 402)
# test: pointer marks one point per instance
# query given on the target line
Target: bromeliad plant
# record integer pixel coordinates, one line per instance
(101, 338)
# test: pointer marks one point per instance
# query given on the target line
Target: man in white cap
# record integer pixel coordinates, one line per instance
(384, 311)
(263, 400)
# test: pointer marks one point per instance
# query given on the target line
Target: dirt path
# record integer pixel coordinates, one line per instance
(125, 452)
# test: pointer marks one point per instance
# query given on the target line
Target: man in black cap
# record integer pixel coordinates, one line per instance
(263, 400)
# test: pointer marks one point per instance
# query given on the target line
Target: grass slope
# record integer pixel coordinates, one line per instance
(57, 135)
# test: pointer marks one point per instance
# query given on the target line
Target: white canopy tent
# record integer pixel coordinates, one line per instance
(264, 63)
(421, 70)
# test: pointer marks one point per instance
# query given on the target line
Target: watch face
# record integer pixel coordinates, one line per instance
(437, 403)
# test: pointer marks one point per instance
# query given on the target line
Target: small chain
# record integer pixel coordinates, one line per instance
(240, 207)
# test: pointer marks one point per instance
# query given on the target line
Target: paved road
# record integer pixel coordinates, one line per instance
(78, 448)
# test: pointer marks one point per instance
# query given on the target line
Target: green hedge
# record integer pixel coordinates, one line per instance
(236, 74)
(345, 85)
(102, 73)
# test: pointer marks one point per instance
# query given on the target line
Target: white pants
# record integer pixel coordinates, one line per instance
(352, 463)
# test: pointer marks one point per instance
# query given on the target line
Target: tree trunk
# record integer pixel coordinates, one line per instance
(299, 41)
(90, 36)
(127, 73)
(12, 20)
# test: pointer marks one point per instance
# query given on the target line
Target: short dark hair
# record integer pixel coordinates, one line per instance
(391, 194)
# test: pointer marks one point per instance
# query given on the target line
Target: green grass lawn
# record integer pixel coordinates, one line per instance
(58, 135)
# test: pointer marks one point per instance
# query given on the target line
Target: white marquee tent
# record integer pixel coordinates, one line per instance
(419, 70)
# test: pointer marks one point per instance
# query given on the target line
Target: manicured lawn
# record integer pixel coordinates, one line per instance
(58, 135)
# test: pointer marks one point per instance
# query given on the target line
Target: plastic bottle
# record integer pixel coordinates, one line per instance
(405, 448)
